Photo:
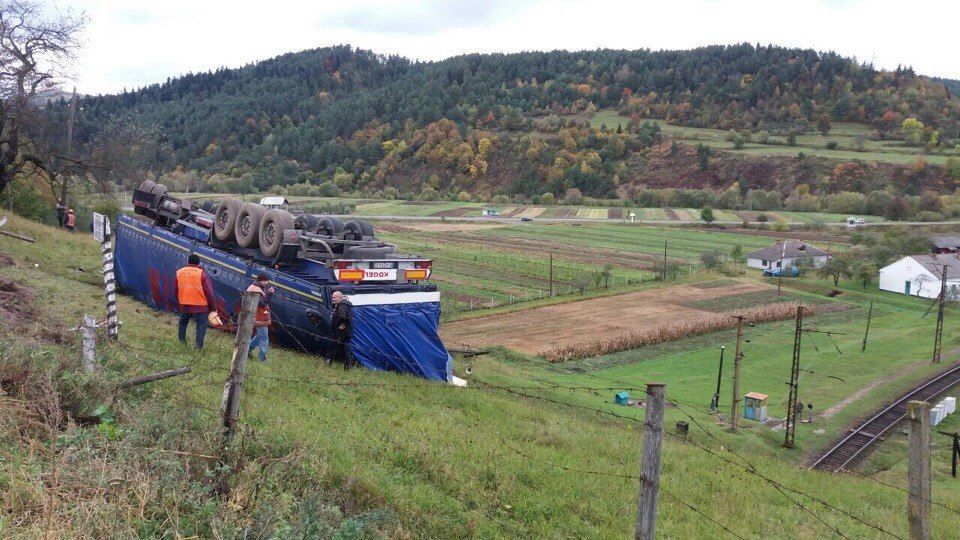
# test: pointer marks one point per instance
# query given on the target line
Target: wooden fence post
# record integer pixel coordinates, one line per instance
(233, 386)
(650, 462)
(918, 501)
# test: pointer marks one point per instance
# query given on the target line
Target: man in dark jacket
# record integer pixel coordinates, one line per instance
(341, 331)
(194, 294)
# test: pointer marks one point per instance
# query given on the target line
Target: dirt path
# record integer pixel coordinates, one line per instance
(534, 330)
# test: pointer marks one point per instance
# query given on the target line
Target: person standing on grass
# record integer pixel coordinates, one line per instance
(71, 220)
(341, 330)
(194, 294)
(61, 213)
(262, 320)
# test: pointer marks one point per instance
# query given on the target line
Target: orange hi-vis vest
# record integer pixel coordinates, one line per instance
(71, 219)
(190, 286)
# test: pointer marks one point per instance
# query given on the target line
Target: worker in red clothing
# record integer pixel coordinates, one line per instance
(194, 293)
(71, 220)
(262, 320)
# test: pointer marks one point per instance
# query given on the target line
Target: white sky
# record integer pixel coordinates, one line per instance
(130, 43)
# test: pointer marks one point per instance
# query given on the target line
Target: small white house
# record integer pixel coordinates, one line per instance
(786, 255)
(274, 202)
(920, 275)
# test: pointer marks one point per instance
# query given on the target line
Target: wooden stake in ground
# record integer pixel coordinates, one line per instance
(233, 386)
(736, 375)
(918, 502)
(89, 330)
(866, 333)
(650, 462)
(938, 336)
(792, 412)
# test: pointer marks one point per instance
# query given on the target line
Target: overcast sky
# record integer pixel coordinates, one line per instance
(130, 43)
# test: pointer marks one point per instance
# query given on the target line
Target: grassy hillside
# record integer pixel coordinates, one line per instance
(528, 450)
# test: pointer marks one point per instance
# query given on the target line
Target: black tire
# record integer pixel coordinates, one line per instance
(225, 219)
(366, 228)
(158, 190)
(273, 227)
(330, 226)
(247, 229)
(353, 230)
(306, 222)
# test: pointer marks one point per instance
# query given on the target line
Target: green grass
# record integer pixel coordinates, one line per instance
(506, 456)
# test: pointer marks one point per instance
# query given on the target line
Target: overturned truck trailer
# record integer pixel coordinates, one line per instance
(306, 257)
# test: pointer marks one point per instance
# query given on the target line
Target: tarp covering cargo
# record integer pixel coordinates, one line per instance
(393, 331)
(398, 332)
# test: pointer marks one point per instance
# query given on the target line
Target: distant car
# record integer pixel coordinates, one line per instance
(793, 271)
(855, 221)
(526, 219)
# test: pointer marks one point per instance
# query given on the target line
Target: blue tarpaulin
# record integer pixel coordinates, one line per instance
(400, 336)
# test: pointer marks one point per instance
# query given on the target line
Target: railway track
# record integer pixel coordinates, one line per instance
(852, 448)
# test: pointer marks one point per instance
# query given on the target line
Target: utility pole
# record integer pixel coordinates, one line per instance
(866, 333)
(794, 379)
(918, 501)
(938, 337)
(783, 254)
(650, 462)
(71, 119)
(233, 386)
(955, 452)
(715, 402)
(736, 375)
(551, 274)
(664, 274)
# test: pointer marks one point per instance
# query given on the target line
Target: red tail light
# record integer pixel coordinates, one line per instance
(423, 264)
(341, 264)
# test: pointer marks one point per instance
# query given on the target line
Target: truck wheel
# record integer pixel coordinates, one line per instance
(330, 226)
(306, 222)
(272, 228)
(225, 219)
(247, 229)
(366, 228)
(353, 230)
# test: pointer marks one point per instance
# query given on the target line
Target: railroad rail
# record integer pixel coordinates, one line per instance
(852, 448)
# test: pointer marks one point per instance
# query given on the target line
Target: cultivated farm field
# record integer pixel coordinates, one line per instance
(845, 134)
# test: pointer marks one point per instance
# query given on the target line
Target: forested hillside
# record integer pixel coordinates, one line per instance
(518, 124)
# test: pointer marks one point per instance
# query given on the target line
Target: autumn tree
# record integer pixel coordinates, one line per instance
(912, 130)
(35, 50)
(823, 124)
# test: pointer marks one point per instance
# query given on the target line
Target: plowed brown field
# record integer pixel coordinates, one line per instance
(552, 328)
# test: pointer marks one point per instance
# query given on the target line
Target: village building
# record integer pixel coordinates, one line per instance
(945, 244)
(920, 275)
(787, 254)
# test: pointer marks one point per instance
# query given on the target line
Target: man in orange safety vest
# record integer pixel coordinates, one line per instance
(194, 293)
